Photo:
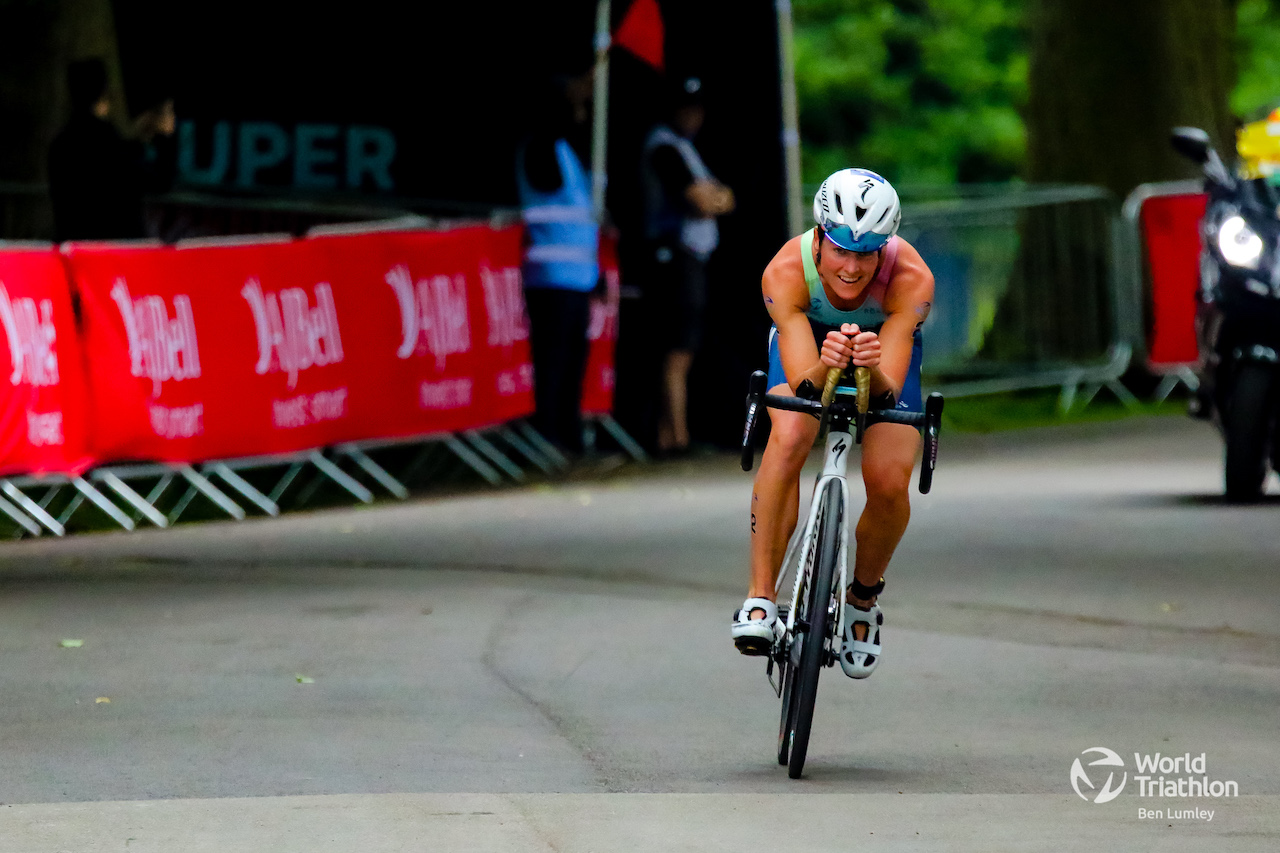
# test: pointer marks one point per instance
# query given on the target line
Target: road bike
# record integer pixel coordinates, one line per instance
(817, 555)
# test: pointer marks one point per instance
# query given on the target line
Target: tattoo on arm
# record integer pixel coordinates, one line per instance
(922, 311)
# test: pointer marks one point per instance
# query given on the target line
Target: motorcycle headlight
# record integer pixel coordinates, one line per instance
(1240, 246)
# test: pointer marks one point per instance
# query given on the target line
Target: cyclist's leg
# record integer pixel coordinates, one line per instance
(775, 497)
(888, 455)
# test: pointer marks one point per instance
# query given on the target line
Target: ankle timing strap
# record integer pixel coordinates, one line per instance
(862, 592)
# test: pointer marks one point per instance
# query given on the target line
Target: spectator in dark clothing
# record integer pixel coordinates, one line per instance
(97, 178)
(682, 201)
(560, 258)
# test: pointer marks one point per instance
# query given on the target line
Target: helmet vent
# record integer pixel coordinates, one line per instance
(860, 212)
(839, 206)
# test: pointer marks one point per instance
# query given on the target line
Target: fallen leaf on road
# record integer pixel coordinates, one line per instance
(102, 700)
(303, 679)
(71, 644)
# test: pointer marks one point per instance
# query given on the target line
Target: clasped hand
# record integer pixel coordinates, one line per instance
(851, 344)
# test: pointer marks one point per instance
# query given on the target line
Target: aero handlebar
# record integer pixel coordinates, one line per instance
(929, 421)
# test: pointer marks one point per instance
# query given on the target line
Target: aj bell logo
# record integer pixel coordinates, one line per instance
(1108, 759)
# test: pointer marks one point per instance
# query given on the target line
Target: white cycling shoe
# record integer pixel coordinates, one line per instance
(859, 658)
(756, 636)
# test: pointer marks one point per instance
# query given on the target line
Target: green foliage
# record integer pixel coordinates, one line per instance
(930, 91)
(1039, 407)
(924, 91)
(1258, 58)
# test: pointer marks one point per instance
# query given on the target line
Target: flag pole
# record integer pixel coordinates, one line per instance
(790, 117)
(600, 108)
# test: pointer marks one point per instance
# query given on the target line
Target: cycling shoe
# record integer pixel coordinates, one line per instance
(756, 636)
(859, 658)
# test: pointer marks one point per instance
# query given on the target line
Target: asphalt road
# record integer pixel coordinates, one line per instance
(549, 668)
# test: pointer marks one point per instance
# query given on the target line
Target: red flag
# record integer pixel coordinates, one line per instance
(641, 32)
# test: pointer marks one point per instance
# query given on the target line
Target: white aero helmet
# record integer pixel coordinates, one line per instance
(857, 210)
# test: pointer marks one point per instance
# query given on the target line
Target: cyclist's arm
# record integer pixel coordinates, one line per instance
(907, 305)
(786, 299)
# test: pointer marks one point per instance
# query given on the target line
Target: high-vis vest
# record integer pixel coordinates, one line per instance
(563, 245)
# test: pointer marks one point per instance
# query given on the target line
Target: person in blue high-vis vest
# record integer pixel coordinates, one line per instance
(561, 266)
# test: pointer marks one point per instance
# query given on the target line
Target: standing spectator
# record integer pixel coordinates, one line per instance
(561, 266)
(682, 200)
(97, 178)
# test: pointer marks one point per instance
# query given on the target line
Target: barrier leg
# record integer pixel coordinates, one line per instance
(70, 509)
(160, 487)
(287, 480)
(419, 467)
(183, 502)
(32, 508)
(52, 492)
(241, 485)
(138, 502)
(210, 491)
(85, 490)
(494, 455)
(20, 518)
(1067, 397)
(1123, 394)
(472, 459)
(545, 447)
(342, 478)
(1183, 375)
(625, 441)
(376, 471)
(527, 450)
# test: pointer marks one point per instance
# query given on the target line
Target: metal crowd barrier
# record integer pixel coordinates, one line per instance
(1175, 374)
(37, 505)
(1035, 288)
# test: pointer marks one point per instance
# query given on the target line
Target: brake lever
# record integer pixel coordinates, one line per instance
(755, 397)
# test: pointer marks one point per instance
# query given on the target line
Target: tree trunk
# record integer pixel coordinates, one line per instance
(1107, 82)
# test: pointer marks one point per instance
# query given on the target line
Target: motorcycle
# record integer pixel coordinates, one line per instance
(1238, 318)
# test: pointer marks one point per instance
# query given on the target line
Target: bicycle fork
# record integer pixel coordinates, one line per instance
(839, 444)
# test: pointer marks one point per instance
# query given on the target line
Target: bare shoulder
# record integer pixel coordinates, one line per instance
(783, 280)
(912, 282)
(910, 292)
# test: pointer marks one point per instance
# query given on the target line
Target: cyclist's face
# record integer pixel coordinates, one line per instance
(847, 270)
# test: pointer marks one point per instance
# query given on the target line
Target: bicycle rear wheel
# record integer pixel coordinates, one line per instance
(813, 626)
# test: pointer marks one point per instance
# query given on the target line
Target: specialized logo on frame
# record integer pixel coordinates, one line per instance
(1099, 775)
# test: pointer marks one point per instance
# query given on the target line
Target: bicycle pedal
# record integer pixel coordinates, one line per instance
(753, 646)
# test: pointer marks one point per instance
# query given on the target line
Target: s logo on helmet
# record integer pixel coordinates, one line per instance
(1108, 759)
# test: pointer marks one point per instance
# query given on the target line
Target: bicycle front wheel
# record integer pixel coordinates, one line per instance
(813, 625)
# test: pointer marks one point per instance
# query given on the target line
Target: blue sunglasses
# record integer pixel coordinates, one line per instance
(842, 236)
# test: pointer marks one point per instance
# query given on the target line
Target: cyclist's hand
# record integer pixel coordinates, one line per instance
(866, 348)
(836, 348)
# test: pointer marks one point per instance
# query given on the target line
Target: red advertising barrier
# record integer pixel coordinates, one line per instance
(42, 410)
(602, 334)
(444, 340)
(1170, 227)
(245, 350)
